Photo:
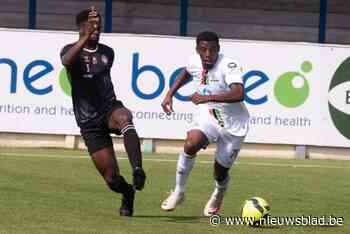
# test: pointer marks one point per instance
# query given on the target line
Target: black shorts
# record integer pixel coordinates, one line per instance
(97, 135)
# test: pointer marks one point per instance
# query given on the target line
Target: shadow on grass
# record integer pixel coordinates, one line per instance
(202, 219)
(174, 219)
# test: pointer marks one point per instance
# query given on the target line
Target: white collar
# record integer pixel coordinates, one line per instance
(90, 51)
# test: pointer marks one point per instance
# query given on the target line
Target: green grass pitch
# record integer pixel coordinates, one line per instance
(59, 191)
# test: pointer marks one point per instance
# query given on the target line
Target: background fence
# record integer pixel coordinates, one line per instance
(286, 20)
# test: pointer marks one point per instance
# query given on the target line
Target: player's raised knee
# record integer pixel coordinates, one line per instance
(191, 148)
(122, 118)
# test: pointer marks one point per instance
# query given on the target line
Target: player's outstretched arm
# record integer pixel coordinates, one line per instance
(235, 94)
(85, 31)
(167, 103)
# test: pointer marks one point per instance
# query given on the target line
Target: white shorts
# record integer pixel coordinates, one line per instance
(227, 145)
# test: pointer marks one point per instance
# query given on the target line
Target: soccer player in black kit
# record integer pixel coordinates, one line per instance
(97, 111)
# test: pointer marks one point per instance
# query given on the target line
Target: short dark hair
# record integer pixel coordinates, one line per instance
(207, 36)
(82, 17)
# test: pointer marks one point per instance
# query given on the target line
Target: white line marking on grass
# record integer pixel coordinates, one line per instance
(175, 160)
(43, 155)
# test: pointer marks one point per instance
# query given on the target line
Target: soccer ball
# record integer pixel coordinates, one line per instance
(254, 209)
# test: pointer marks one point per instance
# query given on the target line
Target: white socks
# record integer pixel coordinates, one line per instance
(185, 164)
(223, 185)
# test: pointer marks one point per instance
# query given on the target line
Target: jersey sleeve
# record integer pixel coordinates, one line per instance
(111, 59)
(107, 55)
(64, 51)
(233, 72)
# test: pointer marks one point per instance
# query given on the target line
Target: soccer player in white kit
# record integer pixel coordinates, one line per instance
(223, 118)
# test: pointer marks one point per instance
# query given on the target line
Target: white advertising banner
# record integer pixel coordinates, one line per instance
(296, 93)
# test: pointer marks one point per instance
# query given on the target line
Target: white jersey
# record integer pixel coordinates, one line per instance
(233, 117)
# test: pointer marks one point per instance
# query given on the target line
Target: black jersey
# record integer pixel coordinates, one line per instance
(92, 89)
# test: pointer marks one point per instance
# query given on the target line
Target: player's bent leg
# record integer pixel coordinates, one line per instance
(184, 166)
(222, 179)
(226, 154)
(195, 141)
(106, 163)
(121, 119)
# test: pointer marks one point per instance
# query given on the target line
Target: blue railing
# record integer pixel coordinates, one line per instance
(322, 21)
(183, 17)
(32, 14)
(108, 16)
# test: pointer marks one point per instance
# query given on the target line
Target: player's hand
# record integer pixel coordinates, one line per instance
(167, 105)
(198, 99)
(93, 20)
(88, 30)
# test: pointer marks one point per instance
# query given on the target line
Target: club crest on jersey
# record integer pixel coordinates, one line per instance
(94, 60)
(104, 59)
(232, 65)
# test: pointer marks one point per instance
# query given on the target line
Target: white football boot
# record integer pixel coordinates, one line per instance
(214, 204)
(174, 199)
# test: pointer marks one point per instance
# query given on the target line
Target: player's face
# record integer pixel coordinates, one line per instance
(95, 36)
(86, 27)
(208, 51)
